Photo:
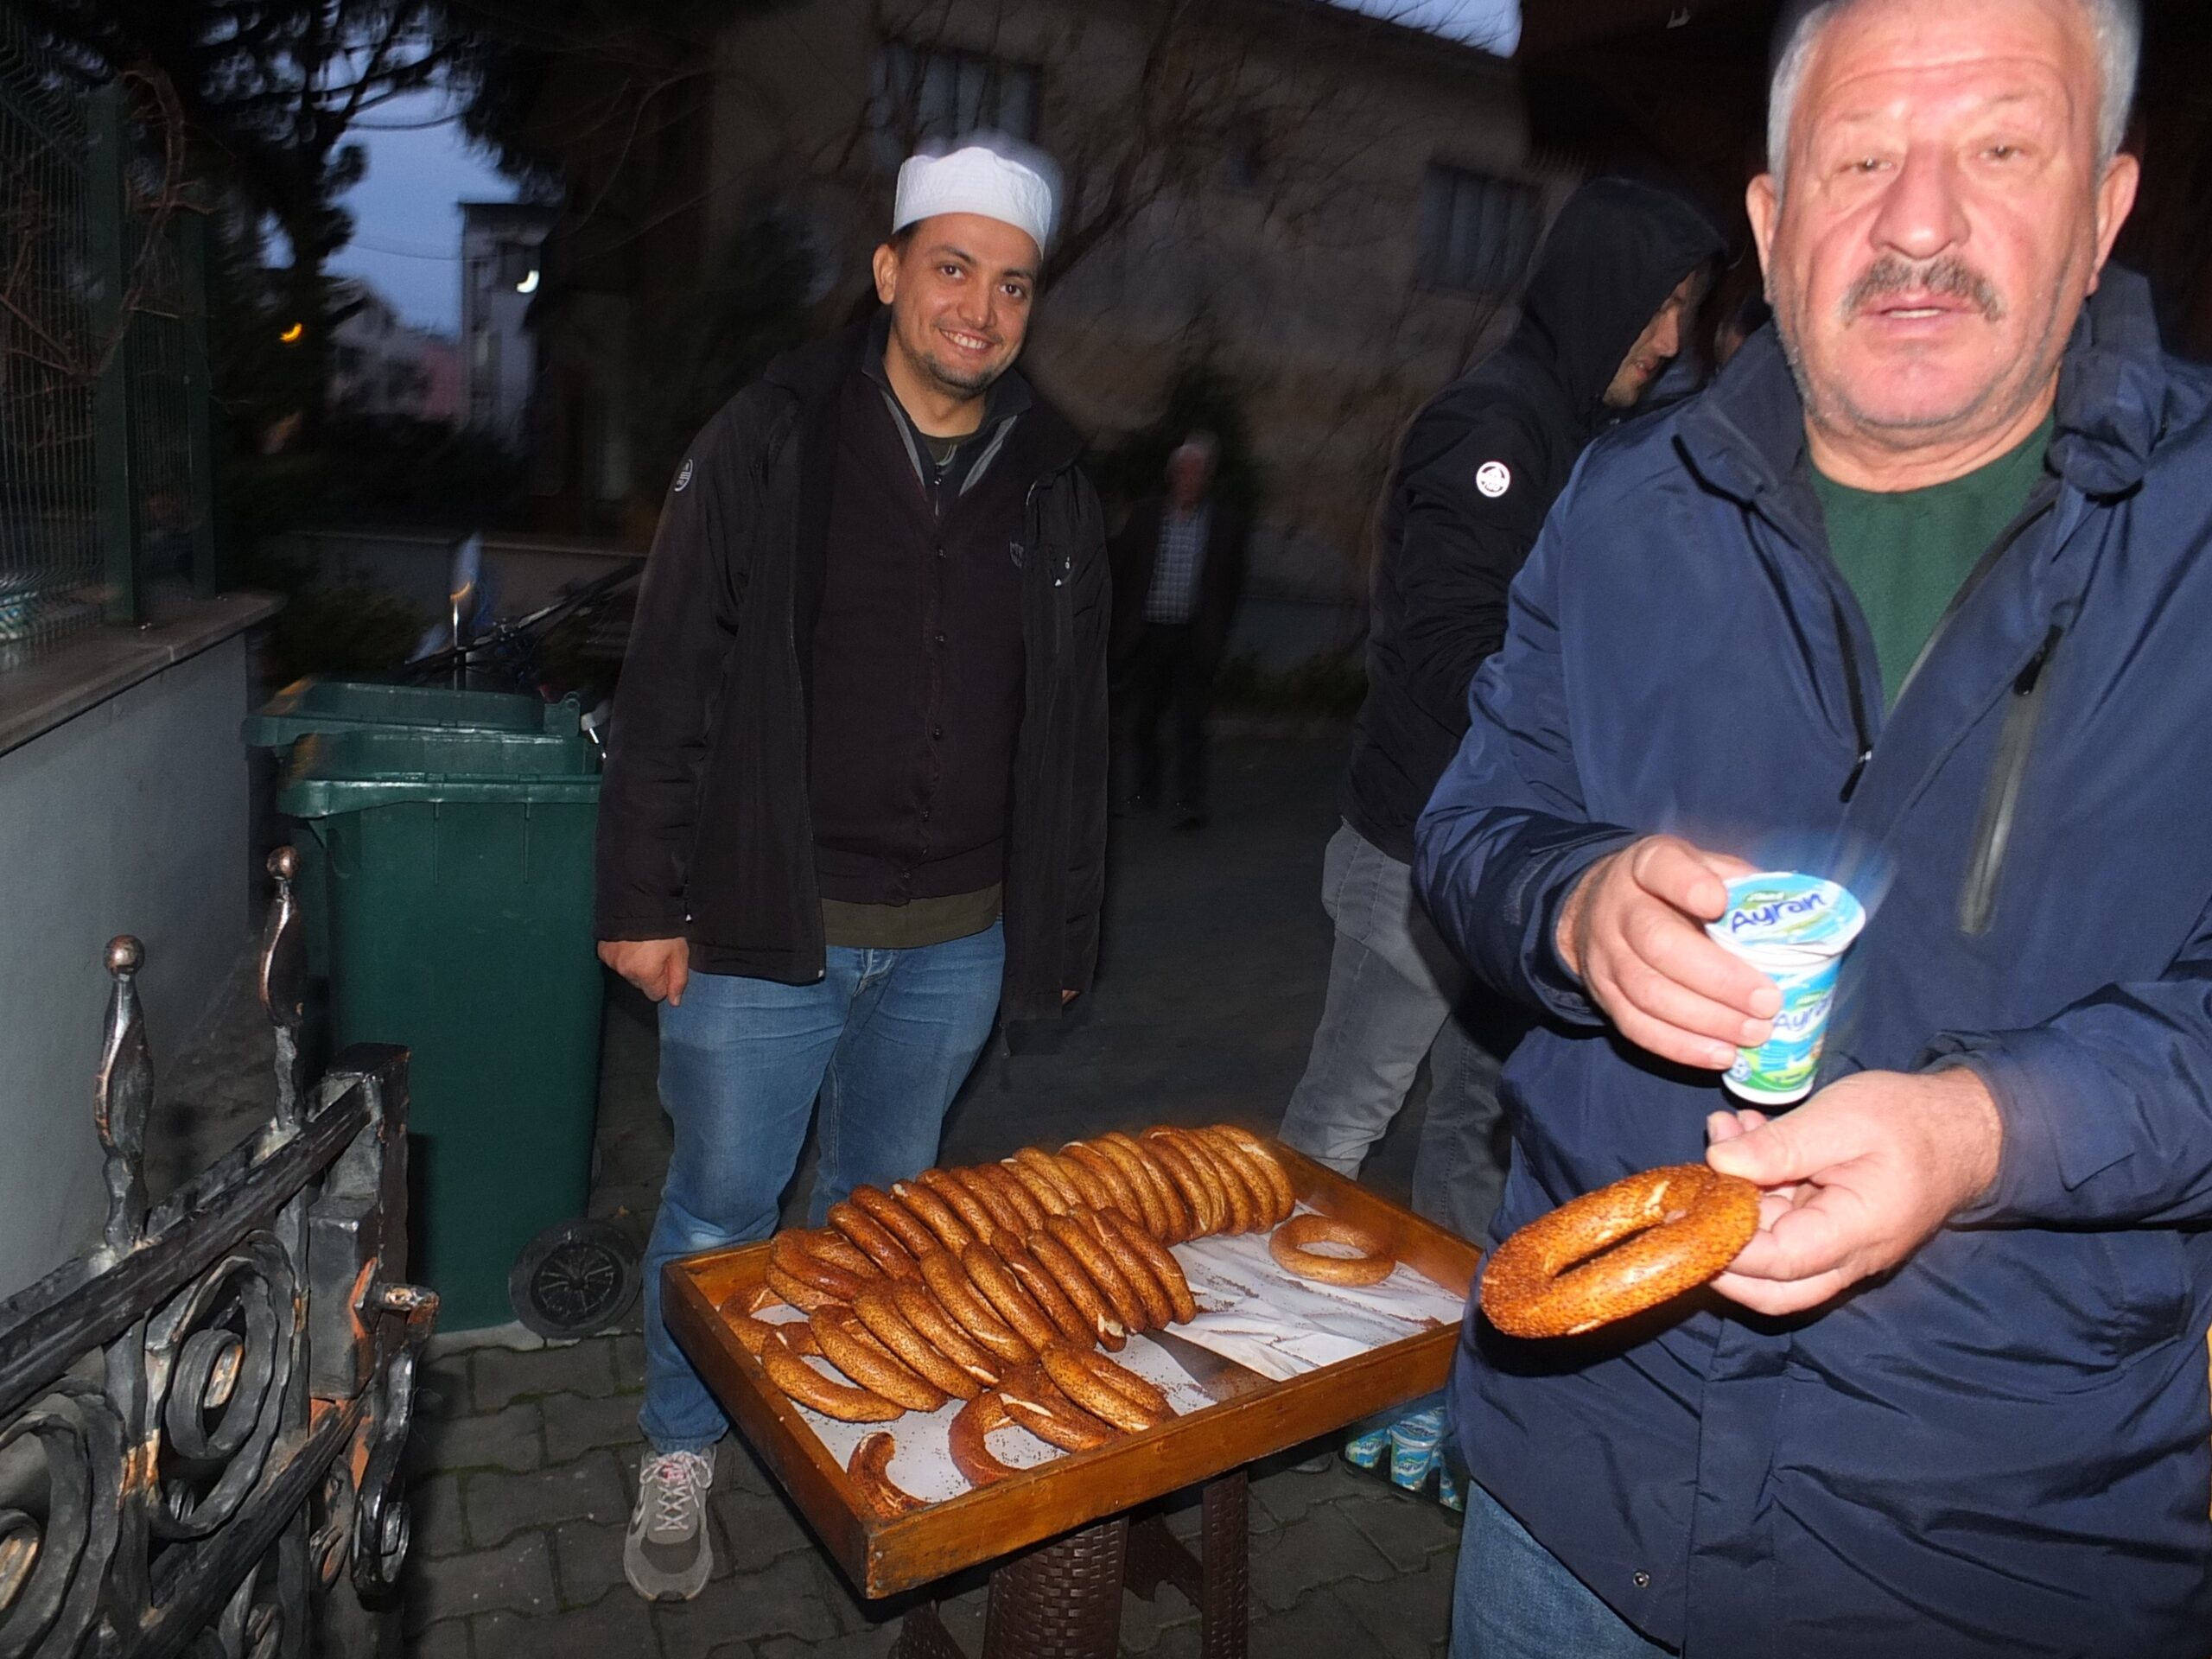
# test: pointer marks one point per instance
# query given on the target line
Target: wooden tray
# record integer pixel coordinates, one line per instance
(884, 1557)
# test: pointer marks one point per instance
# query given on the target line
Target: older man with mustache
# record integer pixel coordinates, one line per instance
(1914, 597)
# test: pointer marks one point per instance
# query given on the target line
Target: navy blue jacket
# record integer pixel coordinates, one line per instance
(2000, 1447)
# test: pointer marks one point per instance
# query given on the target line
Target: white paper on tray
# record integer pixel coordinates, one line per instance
(1275, 1323)
(1251, 1311)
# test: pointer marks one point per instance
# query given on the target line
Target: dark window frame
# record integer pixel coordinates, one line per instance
(1478, 230)
(926, 92)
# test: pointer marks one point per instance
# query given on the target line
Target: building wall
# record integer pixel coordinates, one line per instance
(1284, 249)
(1274, 231)
(498, 250)
(129, 818)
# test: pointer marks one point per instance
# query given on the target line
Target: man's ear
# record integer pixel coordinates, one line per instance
(1763, 202)
(887, 273)
(2116, 201)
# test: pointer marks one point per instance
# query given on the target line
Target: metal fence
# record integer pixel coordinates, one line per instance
(106, 439)
(202, 1418)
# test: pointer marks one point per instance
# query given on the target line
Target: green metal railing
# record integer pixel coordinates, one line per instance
(106, 448)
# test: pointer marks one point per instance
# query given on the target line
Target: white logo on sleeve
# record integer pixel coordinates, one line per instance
(1492, 478)
(683, 478)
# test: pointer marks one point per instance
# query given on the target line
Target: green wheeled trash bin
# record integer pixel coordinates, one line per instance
(457, 876)
(313, 707)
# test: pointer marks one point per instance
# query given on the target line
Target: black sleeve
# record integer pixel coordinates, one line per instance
(1092, 607)
(686, 621)
(1470, 503)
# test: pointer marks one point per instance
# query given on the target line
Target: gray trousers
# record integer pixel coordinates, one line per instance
(1397, 993)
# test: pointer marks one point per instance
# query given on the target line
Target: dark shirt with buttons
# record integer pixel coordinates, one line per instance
(918, 664)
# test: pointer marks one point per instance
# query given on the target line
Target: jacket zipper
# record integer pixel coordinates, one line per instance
(1857, 694)
(1993, 831)
(2037, 506)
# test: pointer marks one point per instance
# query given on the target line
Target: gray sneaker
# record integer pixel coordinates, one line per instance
(667, 1556)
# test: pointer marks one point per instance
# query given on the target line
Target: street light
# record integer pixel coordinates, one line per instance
(528, 284)
(294, 335)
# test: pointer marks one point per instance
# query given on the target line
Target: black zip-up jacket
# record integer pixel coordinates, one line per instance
(705, 831)
(1479, 468)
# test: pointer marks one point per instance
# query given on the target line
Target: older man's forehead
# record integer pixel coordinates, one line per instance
(1896, 36)
(1969, 87)
(1885, 59)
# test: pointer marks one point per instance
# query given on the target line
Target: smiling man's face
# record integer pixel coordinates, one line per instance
(1945, 216)
(960, 292)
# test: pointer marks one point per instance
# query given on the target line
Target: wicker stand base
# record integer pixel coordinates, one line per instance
(1064, 1600)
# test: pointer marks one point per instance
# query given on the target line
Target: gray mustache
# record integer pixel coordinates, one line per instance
(1949, 277)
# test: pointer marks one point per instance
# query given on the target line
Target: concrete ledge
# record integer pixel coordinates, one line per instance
(57, 686)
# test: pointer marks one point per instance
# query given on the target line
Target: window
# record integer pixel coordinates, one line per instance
(940, 93)
(1477, 233)
(517, 261)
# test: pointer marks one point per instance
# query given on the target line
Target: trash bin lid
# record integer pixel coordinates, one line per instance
(309, 705)
(351, 770)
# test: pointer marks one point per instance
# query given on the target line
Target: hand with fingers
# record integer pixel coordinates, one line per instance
(1633, 932)
(659, 968)
(1854, 1180)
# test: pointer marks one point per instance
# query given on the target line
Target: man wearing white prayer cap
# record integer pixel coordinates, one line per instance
(855, 804)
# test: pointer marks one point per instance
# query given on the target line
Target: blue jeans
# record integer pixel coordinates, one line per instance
(1512, 1599)
(885, 1038)
(1397, 993)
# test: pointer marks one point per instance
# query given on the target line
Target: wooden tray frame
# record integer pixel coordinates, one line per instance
(886, 1557)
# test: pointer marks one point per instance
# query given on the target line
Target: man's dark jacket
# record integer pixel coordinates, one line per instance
(2001, 1446)
(1479, 468)
(704, 829)
(1220, 585)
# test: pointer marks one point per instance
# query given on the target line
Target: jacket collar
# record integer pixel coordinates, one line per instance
(1005, 398)
(814, 372)
(1745, 436)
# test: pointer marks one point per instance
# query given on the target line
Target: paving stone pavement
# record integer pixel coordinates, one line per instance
(1216, 959)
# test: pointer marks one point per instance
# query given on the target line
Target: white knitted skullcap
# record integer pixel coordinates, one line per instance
(999, 180)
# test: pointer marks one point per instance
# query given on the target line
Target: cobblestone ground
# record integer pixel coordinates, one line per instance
(520, 1508)
(1217, 955)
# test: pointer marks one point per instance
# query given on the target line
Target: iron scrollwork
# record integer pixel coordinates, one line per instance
(218, 1358)
(60, 1472)
(184, 1409)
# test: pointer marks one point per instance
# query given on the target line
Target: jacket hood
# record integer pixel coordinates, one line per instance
(1616, 251)
(1745, 434)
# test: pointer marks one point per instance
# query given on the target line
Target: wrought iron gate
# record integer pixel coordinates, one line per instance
(201, 1420)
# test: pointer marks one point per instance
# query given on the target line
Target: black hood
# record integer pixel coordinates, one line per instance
(1615, 253)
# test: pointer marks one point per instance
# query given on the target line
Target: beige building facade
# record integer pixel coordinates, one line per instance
(1330, 212)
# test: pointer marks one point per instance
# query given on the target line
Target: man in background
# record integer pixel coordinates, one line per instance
(1178, 571)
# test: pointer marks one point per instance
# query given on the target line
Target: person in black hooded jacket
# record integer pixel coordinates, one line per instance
(1480, 465)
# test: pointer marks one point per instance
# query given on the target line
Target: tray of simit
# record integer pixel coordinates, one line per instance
(1258, 1347)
